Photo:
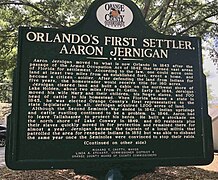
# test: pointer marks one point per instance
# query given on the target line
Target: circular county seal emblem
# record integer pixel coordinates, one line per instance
(114, 15)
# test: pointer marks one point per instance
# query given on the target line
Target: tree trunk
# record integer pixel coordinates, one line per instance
(146, 7)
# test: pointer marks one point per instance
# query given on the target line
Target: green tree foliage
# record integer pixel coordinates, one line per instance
(174, 17)
(181, 17)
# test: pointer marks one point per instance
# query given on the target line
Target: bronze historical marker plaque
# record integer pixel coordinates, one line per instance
(108, 92)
